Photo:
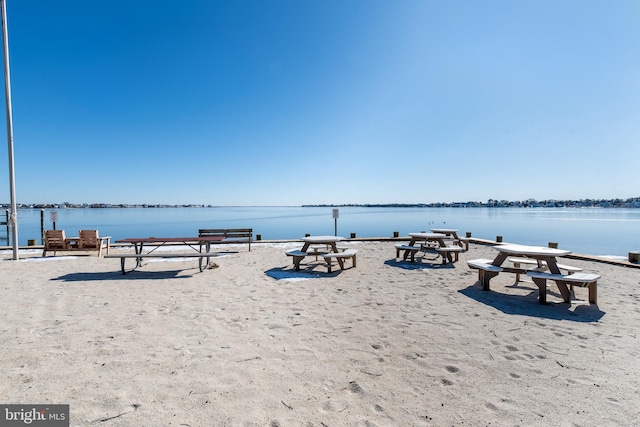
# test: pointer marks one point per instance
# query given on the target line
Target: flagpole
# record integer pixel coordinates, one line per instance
(7, 91)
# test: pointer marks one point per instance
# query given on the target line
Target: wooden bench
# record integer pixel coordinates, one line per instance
(236, 234)
(529, 261)
(298, 256)
(412, 250)
(579, 279)
(447, 250)
(340, 257)
(486, 270)
(139, 257)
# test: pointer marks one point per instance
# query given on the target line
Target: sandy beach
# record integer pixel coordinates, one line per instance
(254, 343)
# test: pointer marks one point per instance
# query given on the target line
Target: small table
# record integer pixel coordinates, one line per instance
(74, 242)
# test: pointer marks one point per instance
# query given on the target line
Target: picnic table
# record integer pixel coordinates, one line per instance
(429, 242)
(452, 233)
(139, 243)
(547, 268)
(325, 246)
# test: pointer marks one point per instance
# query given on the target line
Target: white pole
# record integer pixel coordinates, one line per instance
(7, 91)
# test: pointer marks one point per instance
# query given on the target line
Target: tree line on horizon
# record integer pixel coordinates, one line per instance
(633, 202)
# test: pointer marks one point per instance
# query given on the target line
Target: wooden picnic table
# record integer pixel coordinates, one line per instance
(452, 233)
(546, 259)
(139, 243)
(309, 248)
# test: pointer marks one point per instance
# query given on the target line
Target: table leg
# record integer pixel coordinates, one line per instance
(542, 289)
(499, 259)
(138, 250)
(564, 291)
(406, 253)
(551, 264)
(446, 256)
(201, 260)
(562, 286)
(334, 248)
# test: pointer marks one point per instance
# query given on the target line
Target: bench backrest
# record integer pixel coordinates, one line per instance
(228, 233)
(55, 239)
(89, 239)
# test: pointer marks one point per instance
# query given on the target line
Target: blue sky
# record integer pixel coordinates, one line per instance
(303, 102)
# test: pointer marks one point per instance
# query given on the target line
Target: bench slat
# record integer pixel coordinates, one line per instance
(531, 261)
(484, 264)
(579, 279)
(296, 253)
(408, 248)
(346, 254)
(164, 255)
(450, 249)
(585, 278)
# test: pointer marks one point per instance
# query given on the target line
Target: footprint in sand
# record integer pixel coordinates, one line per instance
(354, 387)
(491, 406)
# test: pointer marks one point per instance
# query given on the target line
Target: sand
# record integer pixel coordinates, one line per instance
(253, 343)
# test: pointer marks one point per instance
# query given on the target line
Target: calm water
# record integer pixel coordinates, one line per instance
(609, 232)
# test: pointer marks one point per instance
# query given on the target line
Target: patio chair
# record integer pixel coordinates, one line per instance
(54, 240)
(88, 240)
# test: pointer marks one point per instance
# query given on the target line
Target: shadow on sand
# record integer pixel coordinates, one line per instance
(308, 273)
(131, 275)
(418, 265)
(528, 305)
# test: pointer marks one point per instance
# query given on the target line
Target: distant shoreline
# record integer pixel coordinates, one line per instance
(529, 203)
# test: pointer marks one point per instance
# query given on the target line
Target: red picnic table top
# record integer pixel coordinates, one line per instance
(171, 239)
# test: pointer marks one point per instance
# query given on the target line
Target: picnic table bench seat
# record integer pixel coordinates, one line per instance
(298, 256)
(449, 249)
(587, 280)
(529, 261)
(484, 265)
(199, 255)
(412, 250)
(486, 270)
(346, 254)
